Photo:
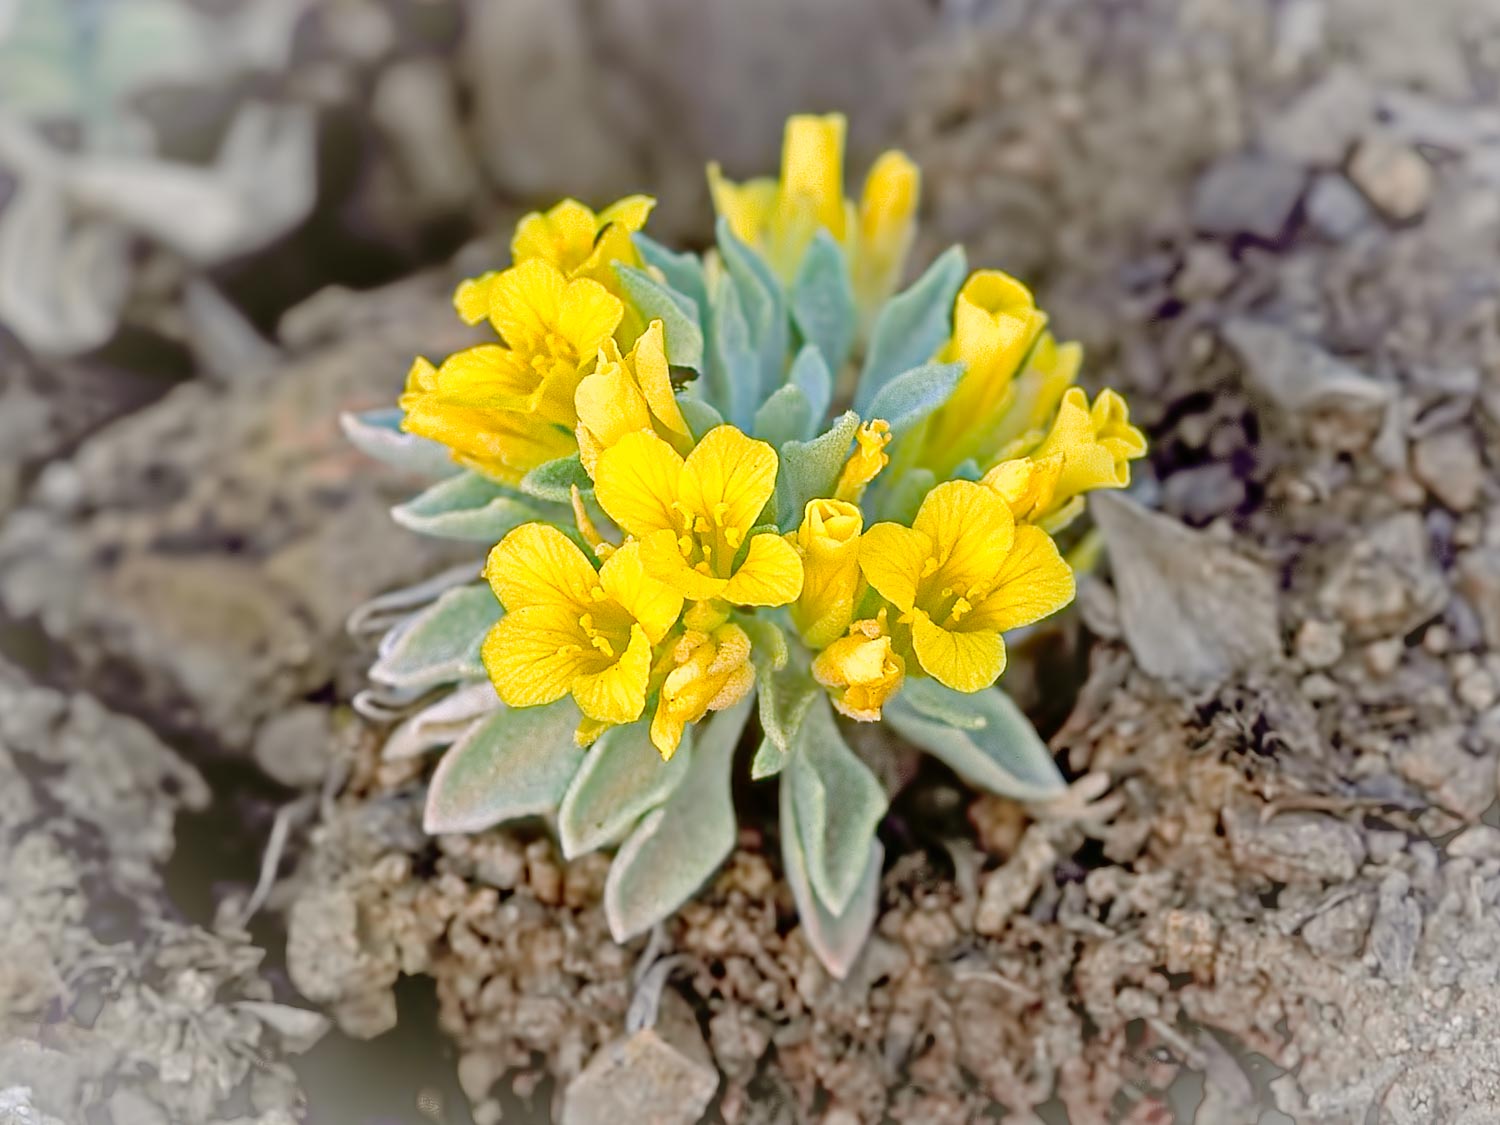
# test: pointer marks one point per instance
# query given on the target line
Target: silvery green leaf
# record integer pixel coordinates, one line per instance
(622, 778)
(684, 272)
(912, 396)
(836, 938)
(785, 695)
(823, 300)
(810, 372)
(733, 368)
(678, 845)
(441, 644)
(967, 469)
(838, 803)
(441, 723)
(378, 434)
(761, 302)
(554, 481)
(768, 761)
(699, 415)
(911, 326)
(811, 468)
(900, 498)
(995, 748)
(785, 416)
(516, 763)
(467, 506)
(384, 612)
(677, 311)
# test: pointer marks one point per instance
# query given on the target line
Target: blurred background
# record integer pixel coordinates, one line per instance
(223, 222)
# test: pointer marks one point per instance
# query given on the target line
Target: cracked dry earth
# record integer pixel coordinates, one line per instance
(1274, 890)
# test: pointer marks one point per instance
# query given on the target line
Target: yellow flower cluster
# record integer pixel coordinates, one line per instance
(692, 538)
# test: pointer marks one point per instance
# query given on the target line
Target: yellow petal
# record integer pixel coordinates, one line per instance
(746, 207)
(525, 303)
(608, 402)
(538, 565)
(963, 661)
(663, 560)
(828, 541)
(472, 297)
(653, 604)
(637, 480)
(563, 236)
(812, 168)
(1026, 484)
(421, 377)
(488, 377)
(631, 212)
(589, 315)
(1033, 582)
(731, 474)
(892, 558)
(666, 732)
(654, 375)
(970, 527)
(617, 694)
(770, 575)
(533, 655)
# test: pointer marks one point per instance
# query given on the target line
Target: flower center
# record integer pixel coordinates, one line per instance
(707, 541)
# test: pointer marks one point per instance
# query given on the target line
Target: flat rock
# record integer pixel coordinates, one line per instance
(1319, 124)
(1295, 847)
(1335, 207)
(1449, 466)
(1393, 176)
(1479, 581)
(199, 558)
(1461, 782)
(1384, 581)
(1248, 194)
(1192, 609)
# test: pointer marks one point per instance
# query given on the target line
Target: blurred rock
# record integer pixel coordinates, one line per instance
(1319, 124)
(1335, 207)
(1393, 176)
(1448, 465)
(1248, 194)
(1295, 847)
(1385, 580)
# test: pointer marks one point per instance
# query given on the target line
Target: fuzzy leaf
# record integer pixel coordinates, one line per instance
(378, 434)
(440, 645)
(785, 695)
(678, 845)
(911, 326)
(465, 507)
(785, 416)
(762, 303)
(913, 395)
(554, 481)
(733, 367)
(811, 468)
(677, 311)
(684, 271)
(516, 763)
(699, 415)
(983, 737)
(810, 372)
(901, 497)
(768, 761)
(836, 938)
(441, 723)
(622, 779)
(823, 300)
(838, 804)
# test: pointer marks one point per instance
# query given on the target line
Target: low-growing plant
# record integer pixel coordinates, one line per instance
(745, 483)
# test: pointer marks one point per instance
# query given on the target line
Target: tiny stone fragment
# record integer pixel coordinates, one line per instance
(1340, 930)
(1461, 782)
(1297, 847)
(1385, 581)
(1396, 929)
(1393, 176)
(1335, 207)
(1479, 582)
(1448, 465)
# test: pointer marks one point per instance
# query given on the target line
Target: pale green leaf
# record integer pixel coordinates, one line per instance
(441, 723)
(763, 305)
(683, 271)
(733, 378)
(810, 372)
(622, 778)
(823, 300)
(516, 763)
(378, 434)
(439, 645)
(554, 480)
(811, 468)
(838, 804)
(678, 845)
(677, 311)
(983, 737)
(699, 415)
(912, 396)
(785, 416)
(911, 326)
(468, 507)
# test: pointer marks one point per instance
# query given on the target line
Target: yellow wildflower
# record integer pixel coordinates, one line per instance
(862, 670)
(1086, 449)
(709, 671)
(828, 541)
(629, 393)
(571, 238)
(868, 458)
(571, 629)
(694, 516)
(780, 217)
(1050, 370)
(960, 576)
(995, 324)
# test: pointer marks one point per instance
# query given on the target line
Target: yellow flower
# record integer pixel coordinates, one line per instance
(828, 541)
(862, 670)
(1086, 449)
(571, 629)
(868, 458)
(708, 672)
(995, 324)
(1050, 370)
(780, 217)
(961, 575)
(694, 517)
(629, 393)
(573, 239)
(505, 410)
(474, 406)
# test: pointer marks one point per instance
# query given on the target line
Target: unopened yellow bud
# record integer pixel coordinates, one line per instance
(709, 672)
(862, 670)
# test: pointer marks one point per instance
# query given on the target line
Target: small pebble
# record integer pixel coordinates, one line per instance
(1393, 176)
(1382, 657)
(1477, 691)
(1437, 640)
(1320, 644)
(1319, 688)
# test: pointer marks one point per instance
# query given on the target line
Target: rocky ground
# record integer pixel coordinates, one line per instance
(1271, 894)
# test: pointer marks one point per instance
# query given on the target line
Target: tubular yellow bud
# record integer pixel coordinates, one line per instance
(812, 172)
(868, 458)
(862, 670)
(709, 672)
(828, 541)
(887, 220)
(627, 393)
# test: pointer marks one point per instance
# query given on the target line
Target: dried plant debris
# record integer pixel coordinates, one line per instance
(112, 1003)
